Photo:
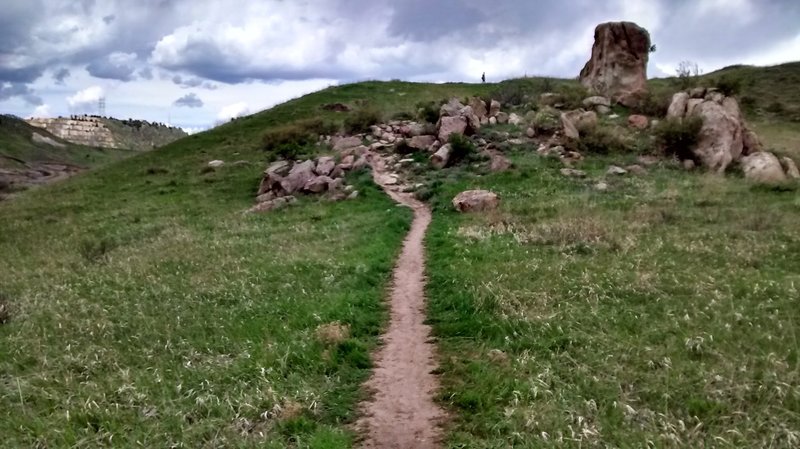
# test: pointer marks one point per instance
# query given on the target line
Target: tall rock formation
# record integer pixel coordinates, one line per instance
(618, 67)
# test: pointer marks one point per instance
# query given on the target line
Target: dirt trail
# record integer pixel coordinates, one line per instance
(402, 414)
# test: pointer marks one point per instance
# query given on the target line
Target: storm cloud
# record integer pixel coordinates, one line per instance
(165, 46)
(190, 100)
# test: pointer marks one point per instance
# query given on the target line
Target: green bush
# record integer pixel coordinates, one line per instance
(509, 92)
(547, 121)
(776, 107)
(572, 95)
(729, 85)
(361, 119)
(600, 141)
(462, 149)
(678, 137)
(293, 139)
(428, 111)
(654, 104)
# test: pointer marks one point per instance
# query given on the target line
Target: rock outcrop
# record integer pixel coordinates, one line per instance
(763, 167)
(618, 66)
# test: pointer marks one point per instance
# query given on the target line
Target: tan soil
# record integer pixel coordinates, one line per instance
(401, 413)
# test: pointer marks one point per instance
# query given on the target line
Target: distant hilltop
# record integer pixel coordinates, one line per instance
(106, 132)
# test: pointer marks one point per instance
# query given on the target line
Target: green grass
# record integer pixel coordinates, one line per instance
(146, 310)
(663, 312)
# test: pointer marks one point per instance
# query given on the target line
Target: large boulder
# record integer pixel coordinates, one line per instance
(345, 143)
(476, 201)
(677, 108)
(574, 122)
(790, 167)
(479, 108)
(298, 177)
(441, 157)
(618, 66)
(720, 141)
(763, 167)
(451, 109)
(325, 165)
(317, 185)
(451, 125)
(421, 142)
(494, 108)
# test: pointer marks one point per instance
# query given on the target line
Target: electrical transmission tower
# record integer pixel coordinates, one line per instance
(101, 107)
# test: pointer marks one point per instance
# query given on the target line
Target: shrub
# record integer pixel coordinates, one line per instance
(361, 119)
(654, 104)
(94, 249)
(462, 148)
(776, 107)
(402, 115)
(678, 137)
(547, 121)
(601, 141)
(729, 85)
(290, 140)
(428, 111)
(572, 95)
(509, 92)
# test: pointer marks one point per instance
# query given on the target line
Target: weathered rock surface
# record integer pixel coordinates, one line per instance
(677, 108)
(790, 168)
(476, 201)
(38, 138)
(421, 142)
(763, 167)
(325, 165)
(638, 121)
(577, 121)
(345, 143)
(451, 125)
(442, 156)
(618, 66)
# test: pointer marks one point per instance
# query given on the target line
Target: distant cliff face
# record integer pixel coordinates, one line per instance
(87, 131)
(103, 132)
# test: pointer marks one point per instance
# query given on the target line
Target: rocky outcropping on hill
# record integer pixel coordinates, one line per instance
(89, 131)
(618, 66)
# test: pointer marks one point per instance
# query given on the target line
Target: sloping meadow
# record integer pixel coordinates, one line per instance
(662, 312)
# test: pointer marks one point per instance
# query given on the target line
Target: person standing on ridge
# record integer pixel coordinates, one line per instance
(483, 77)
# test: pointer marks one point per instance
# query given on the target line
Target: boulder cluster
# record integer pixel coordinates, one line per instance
(282, 180)
(725, 137)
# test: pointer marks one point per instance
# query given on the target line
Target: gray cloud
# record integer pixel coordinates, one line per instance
(10, 90)
(61, 74)
(193, 82)
(190, 100)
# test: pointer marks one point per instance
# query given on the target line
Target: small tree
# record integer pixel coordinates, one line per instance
(687, 71)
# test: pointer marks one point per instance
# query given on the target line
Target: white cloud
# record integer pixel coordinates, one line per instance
(233, 110)
(86, 97)
(41, 111)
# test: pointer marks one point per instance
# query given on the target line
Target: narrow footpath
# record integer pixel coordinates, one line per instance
(401, 413)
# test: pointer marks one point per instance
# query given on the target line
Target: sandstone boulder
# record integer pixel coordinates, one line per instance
(763, 167)
(790, 168)
(421, 142)
(577, 121)
(514, 119)
(476, 201)
(502, 118)
(325, 166)
(618, 66)
(280, 168)
(595, 101)
(638, 121)
(677, 108)
(344, 143)
(451, 109)
(441, 157)
(479, 108)
(720, 141)
(494, 108)
(318, 184)
(299, 175)
(451, 125)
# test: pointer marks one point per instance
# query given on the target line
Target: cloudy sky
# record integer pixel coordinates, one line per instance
(195, 62)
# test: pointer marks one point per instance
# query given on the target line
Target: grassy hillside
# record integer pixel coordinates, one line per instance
(16, 144)
(146, 310)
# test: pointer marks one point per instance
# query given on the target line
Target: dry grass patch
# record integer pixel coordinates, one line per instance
(332, 333)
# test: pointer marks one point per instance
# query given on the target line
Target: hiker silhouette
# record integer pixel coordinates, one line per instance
(483, 77)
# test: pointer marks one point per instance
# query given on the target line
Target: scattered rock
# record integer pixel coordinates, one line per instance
(514, 119)
(353, 195)
(441, 157)
(502, 118)
(345, 143)
(476, 201)
(601, 186)
(530, 132)
(492, 120)
(763, 167)
(618, 66)
(216, 163)
(637, 170)
(277, 203)
(280, 168)
(325, 165)
(595, 101)
(678, 106)
(638, 121)
(648, 160)
(790, 168)
(451, 109)
(317, 185)
(574, 122)
(479, 108)
(451, 125)
(572, 173)
(499, 162)
(616, 171)
(494, 108)
(298, 176)
(688, 164)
